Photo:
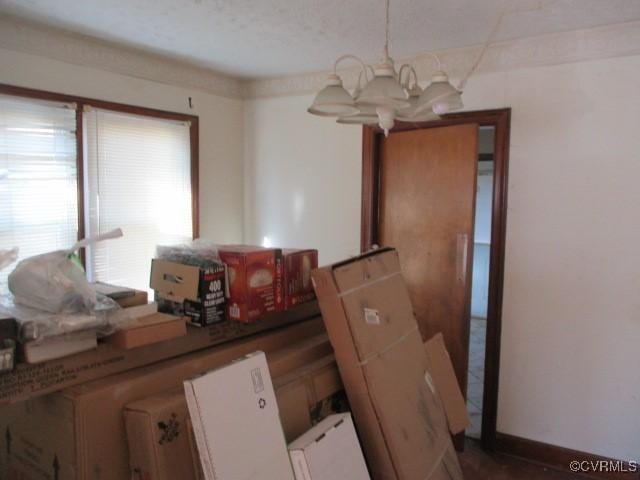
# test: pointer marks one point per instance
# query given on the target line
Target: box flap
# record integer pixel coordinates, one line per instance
(368, 268)
(446, 383)
(175, 281)
(414, 429)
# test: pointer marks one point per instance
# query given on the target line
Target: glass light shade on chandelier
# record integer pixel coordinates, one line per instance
(333, 100)
(409, 114)
(385, 97)
(384, 89)
(440, 96)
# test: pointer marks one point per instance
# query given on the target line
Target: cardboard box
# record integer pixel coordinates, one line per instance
(194, 291)
(446, 384)
(140, 297)
(149, 329)
(158, 437)
(193, 448)
(83, 426)
(59, 346)
(297, 392)
(255, 281)
(297, 267)
(329, 451)
(28, 381)
(8, 342)
(236, 422)
(369, 317)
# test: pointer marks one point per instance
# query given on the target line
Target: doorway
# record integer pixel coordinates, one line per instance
(383, 222)
(480, 280)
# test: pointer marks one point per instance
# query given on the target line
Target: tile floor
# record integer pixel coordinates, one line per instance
(475, 381)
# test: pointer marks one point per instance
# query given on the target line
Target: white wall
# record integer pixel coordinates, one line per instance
(302, 179)
(221, 127)
(571, 313)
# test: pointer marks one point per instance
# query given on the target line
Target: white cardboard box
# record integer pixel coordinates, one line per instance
(236, 422)
(329, 451)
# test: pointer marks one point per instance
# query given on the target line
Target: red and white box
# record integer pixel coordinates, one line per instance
(254, 276)
(297, 267)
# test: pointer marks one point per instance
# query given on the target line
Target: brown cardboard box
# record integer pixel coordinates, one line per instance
(156, 457)
(446, 384)
(193, 291)
(382, 361)
(254, 281)
(140, 297)
(158, 437)
(149, 329)
(28, 381)
(193, 448)
(82, 427)
(297, 267)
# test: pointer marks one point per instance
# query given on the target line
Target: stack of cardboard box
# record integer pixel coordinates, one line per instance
(402, 393)
(258, 281)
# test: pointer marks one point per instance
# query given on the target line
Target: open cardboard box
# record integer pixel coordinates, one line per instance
(386, 371)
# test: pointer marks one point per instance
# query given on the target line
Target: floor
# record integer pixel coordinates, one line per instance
(478, 465)
(475, 381)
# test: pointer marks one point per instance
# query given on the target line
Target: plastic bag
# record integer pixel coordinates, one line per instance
(36, 325)
(55, 282)
(7, 257)
(182, 253)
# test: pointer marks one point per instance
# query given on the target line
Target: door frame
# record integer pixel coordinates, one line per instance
(500, 119)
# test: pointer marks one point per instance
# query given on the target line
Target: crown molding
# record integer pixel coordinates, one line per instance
(567, 47)
(20, 35)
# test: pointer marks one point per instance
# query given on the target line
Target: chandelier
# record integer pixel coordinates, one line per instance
(384, 94)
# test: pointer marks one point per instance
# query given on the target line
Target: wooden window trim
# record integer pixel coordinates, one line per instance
(123, 108)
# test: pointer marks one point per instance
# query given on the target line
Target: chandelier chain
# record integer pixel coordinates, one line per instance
(386, 31)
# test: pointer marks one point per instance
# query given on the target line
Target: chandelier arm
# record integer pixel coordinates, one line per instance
(402, 68)
(412, 71)
(415, 75)
(435, 57)
(351, 57)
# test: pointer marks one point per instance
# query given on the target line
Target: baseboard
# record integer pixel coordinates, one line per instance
(558, 458)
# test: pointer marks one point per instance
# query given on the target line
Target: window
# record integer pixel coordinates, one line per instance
(125, 167)
(38, 177)
(138, 174)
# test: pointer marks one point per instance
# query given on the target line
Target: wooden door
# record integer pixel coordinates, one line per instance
(426, 207)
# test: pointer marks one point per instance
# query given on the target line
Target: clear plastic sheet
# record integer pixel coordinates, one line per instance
(198, 249)
(7, 257)
(52, 296)
(35, 325)
(55, 282)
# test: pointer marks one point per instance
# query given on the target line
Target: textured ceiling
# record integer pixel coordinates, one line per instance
(262, 38)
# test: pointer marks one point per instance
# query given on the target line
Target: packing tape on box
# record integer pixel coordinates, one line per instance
(439, 460)
(367, 284)
(393, 344)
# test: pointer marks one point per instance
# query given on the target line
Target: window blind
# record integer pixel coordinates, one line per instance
(138, 178)
(38, 177)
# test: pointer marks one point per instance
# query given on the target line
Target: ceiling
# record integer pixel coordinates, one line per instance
(263, 38)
